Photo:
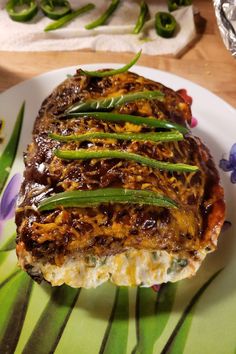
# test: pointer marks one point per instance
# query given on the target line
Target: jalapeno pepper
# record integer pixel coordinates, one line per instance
(21, 10)
(165, 24)
(141, 18)
(174, 4)
(55, 9)
(69, 17)
(105, 16)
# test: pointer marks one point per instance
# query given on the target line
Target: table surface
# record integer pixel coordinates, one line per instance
(206, 62)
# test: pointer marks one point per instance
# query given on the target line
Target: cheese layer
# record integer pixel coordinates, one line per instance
(130, 268)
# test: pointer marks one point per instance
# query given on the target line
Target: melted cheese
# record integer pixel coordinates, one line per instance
(130, 268)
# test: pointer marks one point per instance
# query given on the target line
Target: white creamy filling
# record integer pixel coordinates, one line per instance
(131, 268)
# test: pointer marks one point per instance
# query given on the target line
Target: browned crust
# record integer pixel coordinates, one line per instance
(112, 229)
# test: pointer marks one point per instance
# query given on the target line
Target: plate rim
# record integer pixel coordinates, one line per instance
(116, 65)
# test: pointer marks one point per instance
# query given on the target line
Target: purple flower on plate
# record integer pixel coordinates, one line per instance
(8, 201)
(230, 164)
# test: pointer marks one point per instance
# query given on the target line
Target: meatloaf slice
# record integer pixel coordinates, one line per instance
(125, 243)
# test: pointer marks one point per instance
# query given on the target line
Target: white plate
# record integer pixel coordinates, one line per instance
(213, 325)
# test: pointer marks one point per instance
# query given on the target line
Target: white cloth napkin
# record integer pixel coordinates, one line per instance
(115, 36)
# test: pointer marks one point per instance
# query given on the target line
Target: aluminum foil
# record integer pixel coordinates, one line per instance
(226, 19)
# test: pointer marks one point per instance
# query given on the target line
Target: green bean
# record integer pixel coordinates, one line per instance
(141, 18)
(114, 101)
(114, 71)
(95, 197)
(82, 154)
(154, 137)
(117, 117)
(68, 18)
(104, 17)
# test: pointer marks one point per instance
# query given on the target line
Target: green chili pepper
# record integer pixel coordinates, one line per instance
(155, 137)
(92, 198)
(174, 4)
(115, 71)
(21, 10)
(82, 154)
(55, 9)
(69, 17)
(165, 24)
(111, 102)
(117, 117)
(104, 17)
(141, 18)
